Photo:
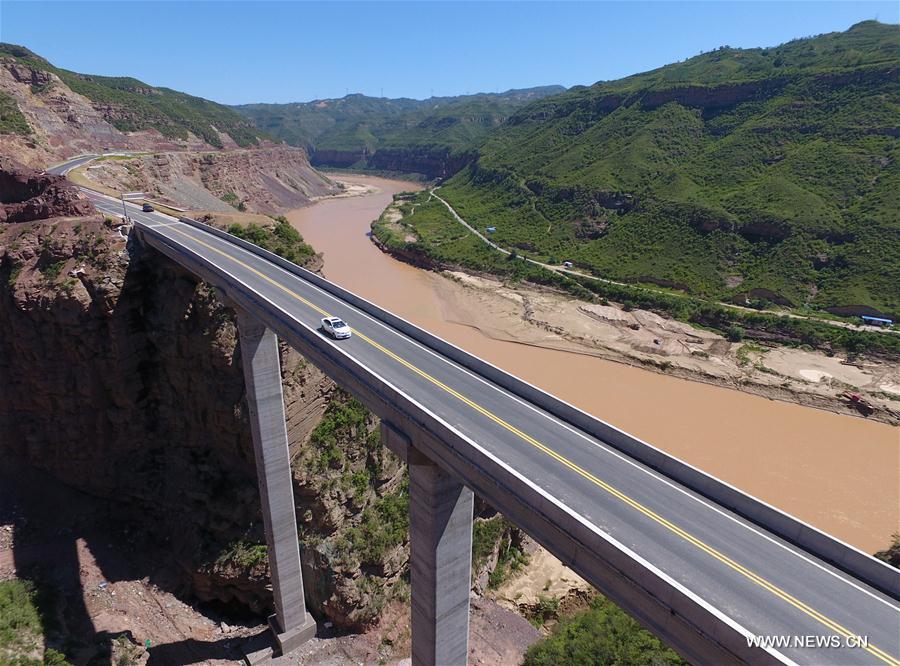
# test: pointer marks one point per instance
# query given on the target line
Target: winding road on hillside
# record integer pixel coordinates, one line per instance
(588, 276)
(756, 582)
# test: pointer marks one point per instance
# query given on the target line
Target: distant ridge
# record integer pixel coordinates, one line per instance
(434, 136)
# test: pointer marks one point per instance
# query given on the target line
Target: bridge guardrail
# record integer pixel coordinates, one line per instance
(861, 565)
(695, 628)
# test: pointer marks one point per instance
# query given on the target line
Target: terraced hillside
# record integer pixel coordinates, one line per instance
(434, 137)
(766, 174)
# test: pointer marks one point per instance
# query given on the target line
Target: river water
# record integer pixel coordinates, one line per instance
(839, 473)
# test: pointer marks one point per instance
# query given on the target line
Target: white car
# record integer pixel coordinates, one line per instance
(336, 328)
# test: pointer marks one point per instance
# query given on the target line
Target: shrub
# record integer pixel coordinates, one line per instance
(383, 526)
(485, 535)
(282, 239)
(604, 634)
(244, 554)
(735, 333)
(891, 554)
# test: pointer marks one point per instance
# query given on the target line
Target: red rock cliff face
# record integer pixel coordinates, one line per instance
(122, 378)
(269, 180)
(27, 195)
(65, 123)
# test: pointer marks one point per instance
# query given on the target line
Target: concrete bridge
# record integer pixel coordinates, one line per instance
(702, 565)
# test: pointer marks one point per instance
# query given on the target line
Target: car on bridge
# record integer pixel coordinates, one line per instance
(336, 328)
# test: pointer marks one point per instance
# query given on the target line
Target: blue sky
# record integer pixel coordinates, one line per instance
(241, 52)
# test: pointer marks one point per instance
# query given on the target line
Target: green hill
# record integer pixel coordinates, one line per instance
(433, 136)
(769, 171)
(134, 105)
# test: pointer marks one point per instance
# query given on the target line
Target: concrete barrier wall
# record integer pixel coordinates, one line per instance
(824, 546)
(701, 633)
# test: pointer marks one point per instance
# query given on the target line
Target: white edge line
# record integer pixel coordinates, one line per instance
(593, 528)
(746, 523)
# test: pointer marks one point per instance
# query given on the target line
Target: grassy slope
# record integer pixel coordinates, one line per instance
(776, 166)
(428, 230)
(355, 122)
(11, 119)
(138, 106)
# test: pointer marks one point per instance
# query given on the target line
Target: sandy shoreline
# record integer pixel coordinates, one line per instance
(540, 317)
(537, 316)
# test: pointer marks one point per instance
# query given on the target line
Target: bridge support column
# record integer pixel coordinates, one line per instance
(292, 624)
(440, 527)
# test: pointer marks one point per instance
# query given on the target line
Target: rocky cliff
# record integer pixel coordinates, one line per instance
(62, 123)
(339, 159)
(122, 378)
(269, 180)
(436, 162)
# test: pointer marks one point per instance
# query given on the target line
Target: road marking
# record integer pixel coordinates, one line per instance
(606, 448)
(709, 550)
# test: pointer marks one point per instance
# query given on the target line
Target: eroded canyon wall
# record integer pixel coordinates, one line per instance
(121, 377)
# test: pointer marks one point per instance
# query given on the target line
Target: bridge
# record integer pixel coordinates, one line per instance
(704, 566)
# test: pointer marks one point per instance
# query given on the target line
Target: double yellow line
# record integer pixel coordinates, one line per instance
(709, 550)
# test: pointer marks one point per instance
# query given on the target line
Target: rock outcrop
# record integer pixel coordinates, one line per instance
(122, 378)
(27, 195)
(268, 180)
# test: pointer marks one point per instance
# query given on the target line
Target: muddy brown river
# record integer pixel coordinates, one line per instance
(839, 473)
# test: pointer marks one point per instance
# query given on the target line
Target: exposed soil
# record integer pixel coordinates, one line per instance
(112, 587)
(536, 316)
(543, 576)
(267, 180)
(64, 123)
(104, 580)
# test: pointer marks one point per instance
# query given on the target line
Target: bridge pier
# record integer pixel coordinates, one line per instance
(291, 624)
(440, 532)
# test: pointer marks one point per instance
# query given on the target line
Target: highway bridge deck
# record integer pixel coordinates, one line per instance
(760, 583)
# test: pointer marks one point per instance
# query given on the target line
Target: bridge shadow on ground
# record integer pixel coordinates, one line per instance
(103, 592)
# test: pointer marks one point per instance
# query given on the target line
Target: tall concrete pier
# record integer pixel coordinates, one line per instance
(621, 513)
(292, 624)
(440, 532)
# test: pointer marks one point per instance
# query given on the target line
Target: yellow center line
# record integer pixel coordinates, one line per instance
(724, 559)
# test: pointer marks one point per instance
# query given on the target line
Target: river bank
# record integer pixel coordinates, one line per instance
(834, 471)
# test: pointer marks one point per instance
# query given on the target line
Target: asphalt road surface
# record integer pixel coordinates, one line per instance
(762, 583)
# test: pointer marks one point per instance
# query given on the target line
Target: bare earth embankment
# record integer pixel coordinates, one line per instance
(540, 317)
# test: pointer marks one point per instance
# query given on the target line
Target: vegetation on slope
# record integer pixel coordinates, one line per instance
(603, 634)
(23, 622)
(11, 119)
(768, 171)
(282, 239)
(133, 105)
(428, 234)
